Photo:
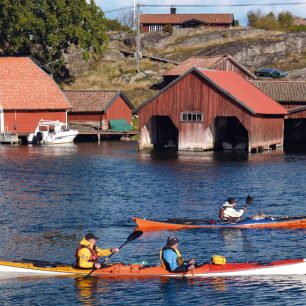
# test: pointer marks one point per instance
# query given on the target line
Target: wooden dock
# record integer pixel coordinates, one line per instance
(8, 138)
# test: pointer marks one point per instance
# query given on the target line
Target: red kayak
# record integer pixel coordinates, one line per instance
(179, 224)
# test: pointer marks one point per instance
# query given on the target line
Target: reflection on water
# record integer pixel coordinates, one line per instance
(52, 195)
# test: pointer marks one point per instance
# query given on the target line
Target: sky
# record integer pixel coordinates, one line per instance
(239, 12)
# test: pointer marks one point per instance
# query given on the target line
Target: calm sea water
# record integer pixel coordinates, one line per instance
(51, 195)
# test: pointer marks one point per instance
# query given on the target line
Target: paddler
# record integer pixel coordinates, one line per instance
(171, 258)
(229, 213)
(87, 253)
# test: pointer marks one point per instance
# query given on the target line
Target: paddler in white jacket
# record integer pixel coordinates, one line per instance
(229, 213)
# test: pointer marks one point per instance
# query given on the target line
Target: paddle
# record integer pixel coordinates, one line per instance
(131, 237)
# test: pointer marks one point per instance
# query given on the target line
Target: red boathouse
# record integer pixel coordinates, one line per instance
(210, 109)
(97, 106)
(27, 95)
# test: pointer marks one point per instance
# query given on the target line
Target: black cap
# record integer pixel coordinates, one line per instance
(172, 240)
(231, 200)
(89, 236)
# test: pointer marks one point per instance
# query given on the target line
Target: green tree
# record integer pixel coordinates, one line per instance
(45, 29)
(285, 20)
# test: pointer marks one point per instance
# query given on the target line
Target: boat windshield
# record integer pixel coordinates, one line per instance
(64, 128)
(43, 128)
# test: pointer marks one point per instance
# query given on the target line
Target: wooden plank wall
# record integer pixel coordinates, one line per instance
(26, 121)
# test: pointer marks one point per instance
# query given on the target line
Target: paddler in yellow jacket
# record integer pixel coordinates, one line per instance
(171, 258)
(87, 253)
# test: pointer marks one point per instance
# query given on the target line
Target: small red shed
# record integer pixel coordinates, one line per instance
(220, 62)
(27, 95)
(98, 106)
(210, 109)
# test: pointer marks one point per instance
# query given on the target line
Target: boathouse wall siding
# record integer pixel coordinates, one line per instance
(85, 116)
(228, 65)
(119, 110)
(193, 94)
(25, 122)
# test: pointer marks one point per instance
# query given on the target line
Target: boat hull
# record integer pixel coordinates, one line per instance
(281, 267)
(155, 225)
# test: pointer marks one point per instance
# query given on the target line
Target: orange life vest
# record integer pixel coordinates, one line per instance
(93, 257)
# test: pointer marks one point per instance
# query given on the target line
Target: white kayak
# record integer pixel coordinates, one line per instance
(280, 267)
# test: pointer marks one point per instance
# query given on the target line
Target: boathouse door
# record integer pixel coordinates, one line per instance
(230, 134)
(295, 132)
(164, 134)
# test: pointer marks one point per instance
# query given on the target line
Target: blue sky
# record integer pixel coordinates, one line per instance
(239, 12)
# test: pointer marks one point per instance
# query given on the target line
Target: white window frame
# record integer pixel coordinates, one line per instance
(155, 28)
(194, 117)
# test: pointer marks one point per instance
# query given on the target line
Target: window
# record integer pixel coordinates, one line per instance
(192, 117)
(155, 28)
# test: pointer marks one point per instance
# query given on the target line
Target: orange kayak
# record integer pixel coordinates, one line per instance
(179, 224)
(280, 267)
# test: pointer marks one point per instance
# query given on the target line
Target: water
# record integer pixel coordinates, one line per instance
(52, 195)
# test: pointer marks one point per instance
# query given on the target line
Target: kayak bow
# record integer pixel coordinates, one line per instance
(280, 267)
(177, 224)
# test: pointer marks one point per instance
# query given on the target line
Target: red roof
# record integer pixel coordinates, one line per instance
(182, 18)
(25, 86)
(194, 62)
(205, 62)
(93, 100)
(283, 91)
(244, 92)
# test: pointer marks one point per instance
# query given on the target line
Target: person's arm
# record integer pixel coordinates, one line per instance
(170, 258)
(103, 252)
(84, 255)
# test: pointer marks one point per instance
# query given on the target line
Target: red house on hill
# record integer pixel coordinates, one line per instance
(27, 95)
(210, 109)
(157, 22)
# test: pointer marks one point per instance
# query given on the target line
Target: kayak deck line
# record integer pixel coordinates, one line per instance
(157, 225)
(280, 267)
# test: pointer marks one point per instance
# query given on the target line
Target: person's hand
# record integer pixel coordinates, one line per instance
(191, 261)
(115, 250)
(97, 265)
(245, 208)
(191, 267)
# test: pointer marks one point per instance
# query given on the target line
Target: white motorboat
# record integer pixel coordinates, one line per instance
(52, 132)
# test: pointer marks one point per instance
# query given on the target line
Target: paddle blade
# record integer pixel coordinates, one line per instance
(249, 200)
(134, 236)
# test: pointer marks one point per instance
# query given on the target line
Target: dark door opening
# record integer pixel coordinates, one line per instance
(295, 133)
(230, 134)
(164, 133)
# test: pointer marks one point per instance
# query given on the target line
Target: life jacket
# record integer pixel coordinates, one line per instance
(221, 213)
(93, 254)
(165, 265)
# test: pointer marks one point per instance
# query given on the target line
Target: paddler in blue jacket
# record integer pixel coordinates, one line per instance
(171, 258)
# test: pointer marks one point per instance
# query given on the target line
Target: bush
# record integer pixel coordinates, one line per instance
(225, 34)
(168, 29)
(298, 28)
(284, 21)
